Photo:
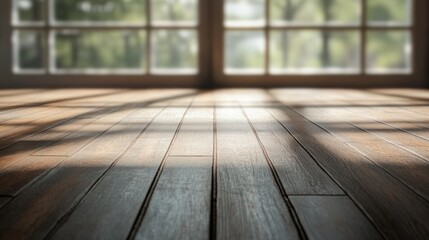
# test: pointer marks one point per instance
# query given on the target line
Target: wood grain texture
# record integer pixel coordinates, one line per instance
(18, 151)
(70, 144)
(19, 130)
(196, 134)
(58, 132)
(333, 217)
(410, 169)
(109, 210)
(182, 196)
(269, 164)
(298, 171)
(4, 200)
(23, 173)
(35, 211)
(410, 122)
(249, 204)
(381, 196)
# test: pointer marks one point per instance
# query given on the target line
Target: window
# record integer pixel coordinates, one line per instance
(280, 37)
(227, 42)
(105, 36)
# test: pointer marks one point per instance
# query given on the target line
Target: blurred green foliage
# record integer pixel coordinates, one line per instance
(100, 49)
(30, 49)
(172, 49)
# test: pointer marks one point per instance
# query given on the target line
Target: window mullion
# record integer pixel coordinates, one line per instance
(267, 36)
(47, 35)
(148, 37)
(363, 37)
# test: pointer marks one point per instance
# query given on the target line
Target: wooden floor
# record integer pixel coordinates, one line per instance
(224, 164)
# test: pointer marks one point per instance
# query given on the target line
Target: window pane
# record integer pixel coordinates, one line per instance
(388, 51)
(174, 12)
(100, 51)
(244, 52)
(311, 51)
(244, 12)
(100, 11)
(29, 11)
(300, 12)
(29, 48)
(389, 12)
(174, 51)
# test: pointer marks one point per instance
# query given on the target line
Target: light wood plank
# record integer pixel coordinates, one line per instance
(333, 217)
(73, 142)
(12, 135)
(183, 196)
(18, 151)
(60, 131)
(249, 204)
(196, 134)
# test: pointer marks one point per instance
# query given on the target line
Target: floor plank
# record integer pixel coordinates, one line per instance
(73, 142)
(298, 171)
(249, 203)
(43, 205)
(410, 169)
(18, 151)
(4, 200)
(182, 195)
(333, 217)
(196, 134)
(381, 196)
(18, 176)
(111, 208)
(262, 164)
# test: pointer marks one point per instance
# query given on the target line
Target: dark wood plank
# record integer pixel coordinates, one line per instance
(23, 173)
(333, 217)
(50, 198)
(183, 196)
(386, 200)
(298, 171)
(4, 200)
(110, 209)
(249, 203)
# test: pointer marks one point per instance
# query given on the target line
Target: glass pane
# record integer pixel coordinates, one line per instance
(174, 51)
(244, 52)
(100, 11)
(100, 51)
(174, 12)
(29, 11)
(316, 12)
(388, 51)
(311, 51)
(389, 12)
(244, 12)
(29, 48)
